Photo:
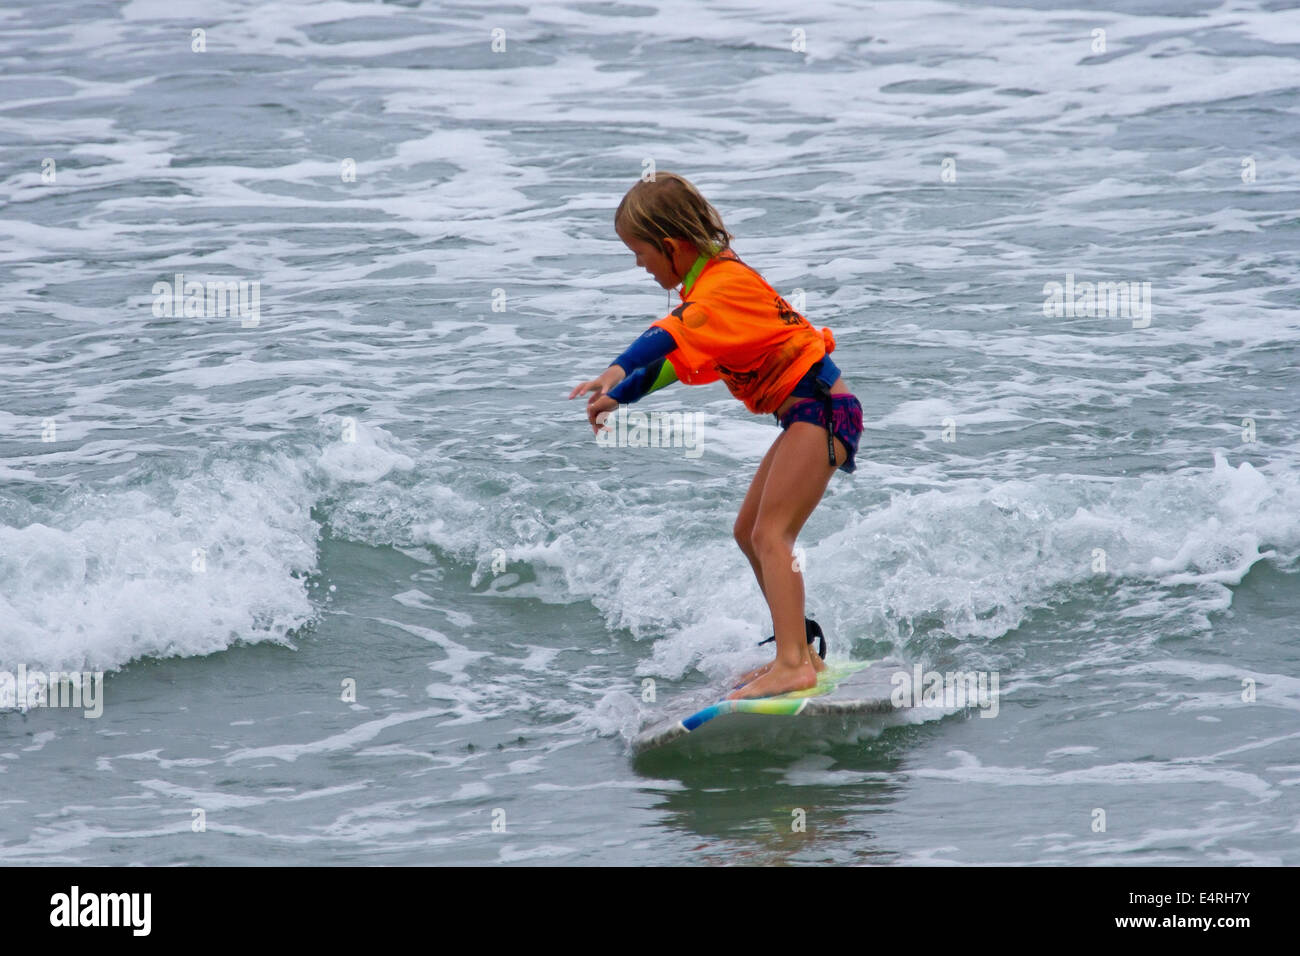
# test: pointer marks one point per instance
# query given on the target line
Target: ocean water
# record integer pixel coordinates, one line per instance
(370, 476)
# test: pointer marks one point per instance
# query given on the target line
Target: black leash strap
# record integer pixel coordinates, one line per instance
(813, 631)
(824, 393)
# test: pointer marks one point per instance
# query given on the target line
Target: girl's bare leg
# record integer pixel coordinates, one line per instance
(743, 532)
(794, 480)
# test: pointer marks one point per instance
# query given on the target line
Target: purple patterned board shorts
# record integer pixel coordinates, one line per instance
(846, 414)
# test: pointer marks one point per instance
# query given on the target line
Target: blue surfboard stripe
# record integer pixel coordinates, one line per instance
(702, 716)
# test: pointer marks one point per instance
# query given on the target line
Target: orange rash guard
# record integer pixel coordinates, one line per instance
(736, 327)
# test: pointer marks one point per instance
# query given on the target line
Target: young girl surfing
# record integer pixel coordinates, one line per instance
(732, 325)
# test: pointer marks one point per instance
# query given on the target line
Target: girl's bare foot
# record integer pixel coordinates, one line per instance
(779, 679)
(816, 663)
(748, 676)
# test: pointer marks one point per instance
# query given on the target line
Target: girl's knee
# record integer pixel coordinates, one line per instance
(765, 539)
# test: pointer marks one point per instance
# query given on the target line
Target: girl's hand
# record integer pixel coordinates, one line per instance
(600, 402)
(607, 380)
(598, 406)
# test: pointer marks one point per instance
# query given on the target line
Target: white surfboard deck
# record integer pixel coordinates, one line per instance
(850, 696)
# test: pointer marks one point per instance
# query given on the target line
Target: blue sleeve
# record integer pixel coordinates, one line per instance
(653, 344)
(637, 385)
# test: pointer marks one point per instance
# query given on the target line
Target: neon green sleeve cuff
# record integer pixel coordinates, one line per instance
(667, 375)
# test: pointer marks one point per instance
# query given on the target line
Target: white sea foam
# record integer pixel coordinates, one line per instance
(186, 566)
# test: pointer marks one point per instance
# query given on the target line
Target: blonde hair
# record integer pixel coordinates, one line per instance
(669, 207)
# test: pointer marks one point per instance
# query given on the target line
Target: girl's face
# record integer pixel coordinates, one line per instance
(668, 271)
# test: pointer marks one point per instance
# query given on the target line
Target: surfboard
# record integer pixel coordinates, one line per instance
(849, 696)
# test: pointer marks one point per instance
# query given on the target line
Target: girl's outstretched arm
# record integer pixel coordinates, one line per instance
(645, 360)
(643, 381)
